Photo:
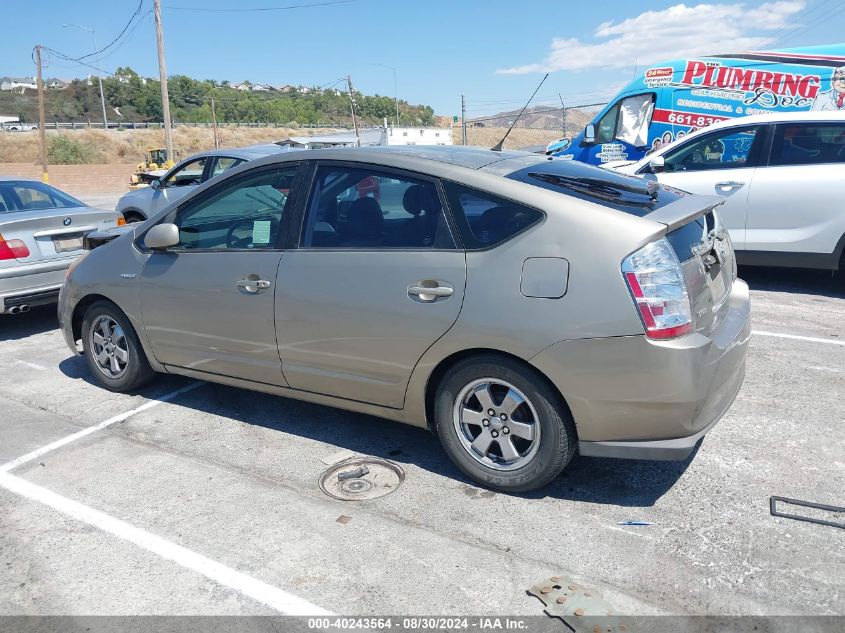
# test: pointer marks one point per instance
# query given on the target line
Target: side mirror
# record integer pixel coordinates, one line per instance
(162, 236)
(155, 184)
(657, 164)
(590, 133)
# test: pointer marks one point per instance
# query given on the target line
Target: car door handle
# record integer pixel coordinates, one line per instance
(429, 291)
(728, 186)
(252, 285)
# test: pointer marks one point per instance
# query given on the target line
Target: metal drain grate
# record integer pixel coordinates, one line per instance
(361, 478)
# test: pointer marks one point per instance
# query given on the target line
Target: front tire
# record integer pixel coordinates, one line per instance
(502, 424)
(112, 350)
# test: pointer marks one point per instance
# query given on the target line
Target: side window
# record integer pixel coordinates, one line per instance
(606, 129)
(366, 209)
(725, 149)
(808, 144)
(485, 220)
(223, 163)
(245, 214)
(188, 174)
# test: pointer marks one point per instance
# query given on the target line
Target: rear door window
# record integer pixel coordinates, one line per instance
(808, 144)
(485, 220)
(224, 163)
(370, 209)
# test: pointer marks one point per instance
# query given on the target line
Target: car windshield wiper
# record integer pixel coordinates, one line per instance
(604, 189)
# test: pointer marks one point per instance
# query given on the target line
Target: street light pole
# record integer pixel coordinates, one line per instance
(99, 71)
(395, 94)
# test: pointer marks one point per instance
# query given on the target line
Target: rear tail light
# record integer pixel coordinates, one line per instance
(13, 249)
(657, 285)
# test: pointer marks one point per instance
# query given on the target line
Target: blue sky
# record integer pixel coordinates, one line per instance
(493, 51)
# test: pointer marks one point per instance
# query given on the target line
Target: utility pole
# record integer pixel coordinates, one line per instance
(463, 120)
(352, 105)
(42, 132)
(162, 72)
(214, 121)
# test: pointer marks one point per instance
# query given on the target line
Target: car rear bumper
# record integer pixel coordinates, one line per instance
(32, 285)
(635, 398)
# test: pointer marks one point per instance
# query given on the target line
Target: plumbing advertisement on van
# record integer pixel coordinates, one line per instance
(667, 101)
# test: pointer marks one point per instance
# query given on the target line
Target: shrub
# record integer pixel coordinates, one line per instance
(64, 150)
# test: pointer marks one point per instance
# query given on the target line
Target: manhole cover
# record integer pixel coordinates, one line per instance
(361, 478)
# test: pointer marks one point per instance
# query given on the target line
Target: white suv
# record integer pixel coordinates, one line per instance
(783, 175)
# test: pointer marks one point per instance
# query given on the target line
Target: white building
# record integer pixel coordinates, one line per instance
(9, 84)
(419, 136)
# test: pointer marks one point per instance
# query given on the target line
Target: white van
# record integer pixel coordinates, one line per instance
(783, 177)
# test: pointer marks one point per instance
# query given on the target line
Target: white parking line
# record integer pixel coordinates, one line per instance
(273, 597)
(38, 452)
(809, 339)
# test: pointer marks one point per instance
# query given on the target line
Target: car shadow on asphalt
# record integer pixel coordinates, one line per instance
(794, 280)
(586, 479)
(14, 327)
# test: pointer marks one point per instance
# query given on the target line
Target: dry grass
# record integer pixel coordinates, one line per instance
(128, 146)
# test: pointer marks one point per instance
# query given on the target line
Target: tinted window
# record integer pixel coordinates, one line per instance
(223, 163)
(808, 144)
(245, 214)
(606, 129)
(29, 196)
(484, 219)
(725, 149)
(188, 174)
(367, 209)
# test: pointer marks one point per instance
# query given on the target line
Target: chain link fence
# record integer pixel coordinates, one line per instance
(535, 129)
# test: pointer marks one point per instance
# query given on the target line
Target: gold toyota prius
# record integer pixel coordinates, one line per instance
(524, 308)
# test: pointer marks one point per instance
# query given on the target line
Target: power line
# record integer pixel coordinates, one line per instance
(125, 28)
(257, 9)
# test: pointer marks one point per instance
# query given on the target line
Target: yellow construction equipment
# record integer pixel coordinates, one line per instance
(156, 163)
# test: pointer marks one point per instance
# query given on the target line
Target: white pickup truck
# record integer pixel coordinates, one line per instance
(17, 126)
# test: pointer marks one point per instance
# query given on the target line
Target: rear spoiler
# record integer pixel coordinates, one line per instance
(687, 209)
(92, 240)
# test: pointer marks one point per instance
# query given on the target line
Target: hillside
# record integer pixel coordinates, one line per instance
(131, 98)
(537, 117)
(128, 146)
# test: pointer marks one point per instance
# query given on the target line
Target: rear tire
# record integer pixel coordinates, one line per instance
(502, 424)
(112, 349)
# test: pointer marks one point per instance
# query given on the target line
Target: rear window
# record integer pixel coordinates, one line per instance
(485, 220)
(808, 144)
(629, 194)
(30, 196)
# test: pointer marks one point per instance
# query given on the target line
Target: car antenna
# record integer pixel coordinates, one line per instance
(498, 146)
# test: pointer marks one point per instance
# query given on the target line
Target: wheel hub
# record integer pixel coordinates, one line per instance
(496, 423)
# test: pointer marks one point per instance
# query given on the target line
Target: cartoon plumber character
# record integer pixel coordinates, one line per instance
(833, 99)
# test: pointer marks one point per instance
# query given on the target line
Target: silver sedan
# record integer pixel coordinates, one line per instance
(521, 307)
(41, 233)
(139, 204)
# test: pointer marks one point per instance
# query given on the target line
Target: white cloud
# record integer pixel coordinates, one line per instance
(678, 31)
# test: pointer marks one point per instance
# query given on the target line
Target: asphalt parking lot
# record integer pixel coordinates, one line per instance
(206, 501)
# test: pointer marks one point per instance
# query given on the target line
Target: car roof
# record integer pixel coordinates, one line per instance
(248, 153)
(454, 155)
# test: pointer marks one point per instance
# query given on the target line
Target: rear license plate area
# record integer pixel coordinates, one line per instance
(67, 243)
